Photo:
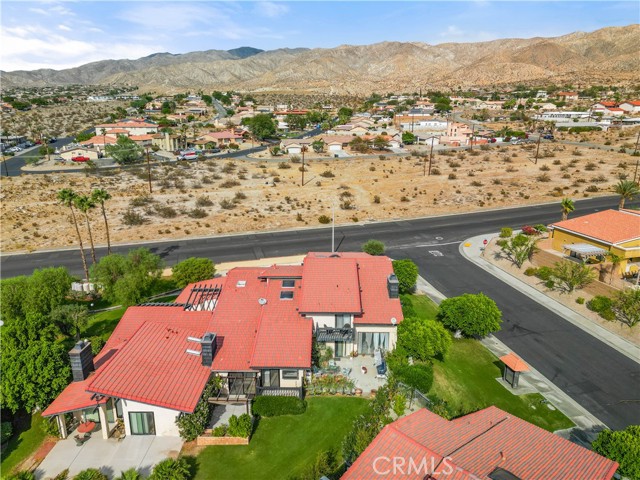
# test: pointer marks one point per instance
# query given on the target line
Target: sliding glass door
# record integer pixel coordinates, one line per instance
(368, 342)
(142, 423)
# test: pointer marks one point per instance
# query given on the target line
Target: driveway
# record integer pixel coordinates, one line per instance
(110, 456)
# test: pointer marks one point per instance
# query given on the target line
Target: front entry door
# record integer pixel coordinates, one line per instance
(339, 349)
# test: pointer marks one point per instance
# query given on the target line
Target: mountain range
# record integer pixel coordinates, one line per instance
(607, 56)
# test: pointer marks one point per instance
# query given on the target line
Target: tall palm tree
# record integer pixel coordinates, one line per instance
(627, 189)
(84, 203)
(66, 196)
(99, 195)
(615, 261)
(567, 207)
(103, 131)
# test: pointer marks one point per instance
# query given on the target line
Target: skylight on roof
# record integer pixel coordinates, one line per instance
(288, 283)
(241, 284)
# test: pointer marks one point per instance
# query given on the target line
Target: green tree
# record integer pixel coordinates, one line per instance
(473, 315)
(193, 270)
(168, 107)
(192, 425)
(373, 247)
(626, 306)
(380, 143)
(100, 196)
(12, 294)
(124, 151)
(615, 261)
(171, 469)
(519, 248)
(262, 126)
(326, 465)
(82, 136)
(623, 447)
(318, 146)
(407, 273)
(627, 189)
(423, 339)
(358, 144)
(567, 207)
(345, 114)
(71, 318)
(66, 196)
(571, 275)
(296, 122)
(408, 138)
(84, 203)
(46, 289)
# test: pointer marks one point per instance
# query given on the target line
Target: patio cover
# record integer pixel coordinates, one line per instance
(74, 397)
(514, 362)
(585, 249)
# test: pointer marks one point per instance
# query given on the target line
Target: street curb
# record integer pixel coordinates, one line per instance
(581, 417)
(609, 338)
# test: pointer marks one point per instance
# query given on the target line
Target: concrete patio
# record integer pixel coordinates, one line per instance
(365, 381)
(222, 413)
(110, 456)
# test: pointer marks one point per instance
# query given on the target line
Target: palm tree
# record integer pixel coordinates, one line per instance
(66, 196)
(84, 203)
(99, 195)
(615, 261)
(627, 189)
(103, 131)
(567, 207)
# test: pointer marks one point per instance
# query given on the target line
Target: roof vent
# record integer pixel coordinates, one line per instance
(241, 284)
(193, 352)
(262, 301)
(394, 320)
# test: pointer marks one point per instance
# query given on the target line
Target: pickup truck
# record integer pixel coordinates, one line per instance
(80, 158)
(188, 156)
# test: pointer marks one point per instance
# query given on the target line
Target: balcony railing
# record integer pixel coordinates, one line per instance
(331, 334)
(281, 391)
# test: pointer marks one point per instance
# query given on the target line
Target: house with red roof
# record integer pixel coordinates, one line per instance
(631, 106)
(128, 127)
(489, 444)
(253, 328)
(601, 233)
(567, 96)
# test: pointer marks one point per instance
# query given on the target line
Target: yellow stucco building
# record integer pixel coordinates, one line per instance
(599, 234)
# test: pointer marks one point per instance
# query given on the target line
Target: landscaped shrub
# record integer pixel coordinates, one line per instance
(506, 232)
(91, 474)
(240, 426)
(273, 406)
(473, 315)
(550, 284)
(170, 469)
(544, 273)
(96, 345)
(529, 230)
(399, 404)
(407, 306)
(193, 270)
(622, 446)
(418, 376)
(541, 228)
(192, 425)
(6, 431)
(220, 430)
(531, 271)
(373, 247)
(602, 306)
(407, 273)
(580, 300)
(326, 465)
(24, 475)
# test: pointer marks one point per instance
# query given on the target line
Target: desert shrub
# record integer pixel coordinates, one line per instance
(197, 213)
(229, 184)
(531, 271)
(545, 177)
(452, 176)
(240, 426)
(544, 273)
(435, 171)
(506, 232)
(592, 188)
(602, 306)
(273, 406)
(376, 199)
(141, 201)
(590, 166)
(324, 219)
(165, 211)
(229, 167)
(132, 218)
(227, 204)
(204, 201)
(545, 168)
(283, 165)
(327, 174)
(239, 196)
(580, 300)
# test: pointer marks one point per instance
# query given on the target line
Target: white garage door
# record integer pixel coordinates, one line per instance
(335, 148)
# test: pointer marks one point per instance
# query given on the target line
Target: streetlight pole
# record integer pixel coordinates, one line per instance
(303, 150)
(430, 155)
(538, 147)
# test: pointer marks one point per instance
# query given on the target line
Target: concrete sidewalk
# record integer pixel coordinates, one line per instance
(472, 250)
(587, 425)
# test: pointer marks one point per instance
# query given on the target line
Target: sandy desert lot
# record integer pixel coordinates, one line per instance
(219, 196)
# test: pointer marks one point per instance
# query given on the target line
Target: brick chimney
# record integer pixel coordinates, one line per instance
(208, 348)
(393, 286)
(81, 358)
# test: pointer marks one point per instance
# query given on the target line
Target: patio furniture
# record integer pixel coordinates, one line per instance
(346, 371)
(86, 427)
(363, 369)
(80, 440)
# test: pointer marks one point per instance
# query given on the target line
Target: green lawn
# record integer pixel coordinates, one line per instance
(466, 380)
(283, 446)
(24, 443)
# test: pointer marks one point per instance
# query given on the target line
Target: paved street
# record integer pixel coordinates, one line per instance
(600, 378)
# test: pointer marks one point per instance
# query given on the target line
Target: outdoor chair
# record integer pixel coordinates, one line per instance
(80, 440)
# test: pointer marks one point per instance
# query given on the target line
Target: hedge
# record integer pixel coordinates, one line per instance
(273, 406)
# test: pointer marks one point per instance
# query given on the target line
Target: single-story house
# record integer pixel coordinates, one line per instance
(166, 142)
(567, 96)
(601, 233)
(336, 143)
(223, 138)
(80, 151)
(632, 106)
(100, 141)
(253, 329)
(294, 146)
(603, 106)
(133, 127)
(488, 444)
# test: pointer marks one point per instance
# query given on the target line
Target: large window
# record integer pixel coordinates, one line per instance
(142, 423)
(342, 320)
(271, 378)
(290, 374)
(368, 342)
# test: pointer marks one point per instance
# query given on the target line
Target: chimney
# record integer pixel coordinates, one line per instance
(81, 358)
(208, 346)
(393, 286)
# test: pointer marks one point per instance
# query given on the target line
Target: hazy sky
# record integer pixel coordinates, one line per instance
(62, 34)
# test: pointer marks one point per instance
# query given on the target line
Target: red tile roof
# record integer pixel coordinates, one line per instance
(608, 103)
(282, 271)
(472, 447)
(635, 103)
(132, 124)
(377, 307)
(330, 285)
(609, 226)
(100, 140)
(154, 368)
(514, 362)
(74, 397)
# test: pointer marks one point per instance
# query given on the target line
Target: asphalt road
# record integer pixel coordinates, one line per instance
(602, 380)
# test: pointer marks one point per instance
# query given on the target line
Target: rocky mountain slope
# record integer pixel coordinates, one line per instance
(606, 56)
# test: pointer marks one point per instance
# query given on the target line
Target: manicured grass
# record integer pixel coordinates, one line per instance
(466, 380)
(23, 443)
(284, 446)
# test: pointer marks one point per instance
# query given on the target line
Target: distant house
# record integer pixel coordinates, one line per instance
(614, 112)
(567, 96)
(79, 151)
(336, 143)
(166, 142)
(100, 142)
(489, 444)
(226, 137)
(631, 106)
(294, 146)
(601, 233)
(132, 127)
(603, 106)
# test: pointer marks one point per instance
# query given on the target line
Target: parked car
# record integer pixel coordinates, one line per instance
(53, 140)
(548, 136)
(80, 158)
(188, 156)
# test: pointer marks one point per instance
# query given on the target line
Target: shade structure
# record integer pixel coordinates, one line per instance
(585, 249)
(514, 362)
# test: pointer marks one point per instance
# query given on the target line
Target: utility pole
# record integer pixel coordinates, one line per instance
(303, 150)
(149, 168)
(6, 169)
(473, 129)
(538, 146)
(333, 227)
(430, 155)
